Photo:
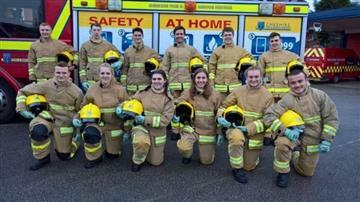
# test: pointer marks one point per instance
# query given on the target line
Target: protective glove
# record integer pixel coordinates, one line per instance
(175, 119)
(299, 128)
(85, 85)
(119, 112)
(292, 134)
(220, 140)
(223, 122)
(242, 128)
(116, 65)
(76, 123)
(324, 146)
(27, 114)
(140, 120)
(126, 137)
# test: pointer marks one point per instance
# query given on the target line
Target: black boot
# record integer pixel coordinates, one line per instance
(40, 163)
(135, 167)
(63, 156)
(175, 136)
(282, 180)
(111, 156)
(93, 163)
(267, 141)
(240, 175)
(186, 160)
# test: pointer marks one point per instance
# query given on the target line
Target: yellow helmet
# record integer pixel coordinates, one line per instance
(291, 119)
(195, 63)
(151, 64)
(65, 56)
(90, 113)
(133, 106)
(185, 111)
(295, 64)
(234, 114)
(245, 63)
(111, 56)
(36, 103)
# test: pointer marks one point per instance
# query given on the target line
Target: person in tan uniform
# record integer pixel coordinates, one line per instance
(176, 62)
(134, 76)
(149, 135)
(92, 55)
(42, 55)
(321, 124)
(106, 94)
(205, 102)
(223, 62)
(64, 99)
(273, 64)
(246, 142)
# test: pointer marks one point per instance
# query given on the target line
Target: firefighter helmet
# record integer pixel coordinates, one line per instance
(295, 64)
(291, 119)
(185, 111)
(65, 56)
(90, 113)
(195, 63)
(245, 63)
(36, 103)
(151, 64)
(234, 114)
(111, 56)
(133, 107)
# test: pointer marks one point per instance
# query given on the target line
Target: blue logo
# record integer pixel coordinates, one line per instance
(260, 25)
(7, 58)
(126, 40)
(189, 39)
(260, 44)
(211, 42)
(107, 36)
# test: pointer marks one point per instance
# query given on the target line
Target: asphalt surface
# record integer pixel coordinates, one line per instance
(337, 177)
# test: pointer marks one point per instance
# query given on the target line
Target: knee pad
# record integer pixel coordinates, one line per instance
(63, 156)
(92, 135)
(39, 133)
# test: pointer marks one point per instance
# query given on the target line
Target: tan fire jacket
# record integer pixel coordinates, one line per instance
(315, 107)
(107, 99)
(176, 65)
(158, 111)
(133, 73)
(254, 102)
(91, 56)
(205, 110)
(222, 65)
(64, 99)
(273, 65)
(42, 58)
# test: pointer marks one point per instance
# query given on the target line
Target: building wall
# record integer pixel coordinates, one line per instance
(353, 42)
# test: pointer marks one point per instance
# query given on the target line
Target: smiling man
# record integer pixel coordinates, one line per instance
(321, 124)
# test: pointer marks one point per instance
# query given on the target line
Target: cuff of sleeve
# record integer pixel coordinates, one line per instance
(327, 137)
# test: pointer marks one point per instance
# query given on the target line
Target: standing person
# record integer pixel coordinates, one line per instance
(42, 55)
(321, 124)
(106, 94)
(223, 62)
(245, 142)
(134, 75)
(92, 55)
(273, 64)
(64, 99)
(205, 102)
(176, 62)
(149, 135)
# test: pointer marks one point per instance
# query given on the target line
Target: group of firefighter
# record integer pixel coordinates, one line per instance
(137, 97)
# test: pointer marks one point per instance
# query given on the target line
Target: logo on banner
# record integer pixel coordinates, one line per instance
(260, 25)
(273, 26)
(211, 42)
(107, 36)
(126, 39)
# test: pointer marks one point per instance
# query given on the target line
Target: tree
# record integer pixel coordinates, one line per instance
(332, 4)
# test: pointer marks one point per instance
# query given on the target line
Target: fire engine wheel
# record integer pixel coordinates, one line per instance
(336, 79)
(7, 102)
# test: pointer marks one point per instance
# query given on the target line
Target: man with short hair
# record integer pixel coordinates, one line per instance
(92, 55)
(63, 99)
(321, 124)
(223, 61)
(134, 76)
(42, 54)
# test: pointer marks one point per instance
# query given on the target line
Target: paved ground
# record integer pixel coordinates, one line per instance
(337, 177)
